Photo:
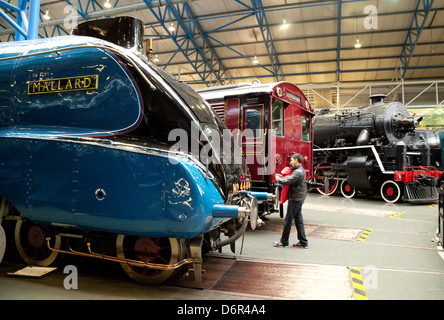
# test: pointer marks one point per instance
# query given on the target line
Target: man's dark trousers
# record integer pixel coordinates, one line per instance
(294, 213)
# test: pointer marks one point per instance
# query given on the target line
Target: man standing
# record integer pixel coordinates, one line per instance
(296, 196)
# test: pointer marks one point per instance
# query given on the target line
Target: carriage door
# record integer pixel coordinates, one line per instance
(277, 125)
(307, 142)
(253, 139)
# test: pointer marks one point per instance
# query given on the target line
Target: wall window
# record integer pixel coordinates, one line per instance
(277, 118)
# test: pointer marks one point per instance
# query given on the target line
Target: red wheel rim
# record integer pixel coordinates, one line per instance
(390, 191)
(149, 250)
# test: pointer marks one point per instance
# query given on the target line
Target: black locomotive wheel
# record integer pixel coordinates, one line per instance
(149, 250)
(390, 191)
(346, 190)
(30, 241)
(319, 175)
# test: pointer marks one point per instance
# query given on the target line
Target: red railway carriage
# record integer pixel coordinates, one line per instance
(270, 122)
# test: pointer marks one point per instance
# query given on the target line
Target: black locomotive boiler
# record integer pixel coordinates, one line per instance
(368, 150)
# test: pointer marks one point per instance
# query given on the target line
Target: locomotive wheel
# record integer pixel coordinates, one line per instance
(319, 177)
(346, 190)
(2, 242)
(30, 240)
(390, 191)
(149, 250)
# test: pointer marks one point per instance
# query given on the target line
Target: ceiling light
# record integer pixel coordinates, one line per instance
(107, 4)
(284, 24)
(171, 27)
(46, 16)
(156, 58)
(358, 44)
(255, 61)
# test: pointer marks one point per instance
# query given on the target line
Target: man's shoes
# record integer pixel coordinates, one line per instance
(279, 244)
(304, 246)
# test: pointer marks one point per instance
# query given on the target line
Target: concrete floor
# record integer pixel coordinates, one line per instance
(398, 259)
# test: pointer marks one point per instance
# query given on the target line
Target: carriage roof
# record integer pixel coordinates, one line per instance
(240, 89)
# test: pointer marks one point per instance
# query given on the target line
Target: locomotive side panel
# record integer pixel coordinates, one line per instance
(73, 185)
(119, 191)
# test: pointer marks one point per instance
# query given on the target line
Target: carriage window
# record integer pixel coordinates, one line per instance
(253, 120)
(277, 117)
(305, 128)
(293, 96)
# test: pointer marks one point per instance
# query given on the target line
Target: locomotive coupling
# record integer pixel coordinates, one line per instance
(262, 196)
(230, 211)
(248, 207)
(235, 211)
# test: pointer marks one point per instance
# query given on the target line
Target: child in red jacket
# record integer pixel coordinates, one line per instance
(285, 173)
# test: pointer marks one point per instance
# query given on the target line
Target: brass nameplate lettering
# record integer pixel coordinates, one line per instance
(63, 85)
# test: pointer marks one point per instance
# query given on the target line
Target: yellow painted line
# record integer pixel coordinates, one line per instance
(358, 284)
(433, 205)
(395, 214)
(364, 235)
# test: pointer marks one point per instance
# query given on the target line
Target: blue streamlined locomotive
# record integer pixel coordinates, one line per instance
(85, 153)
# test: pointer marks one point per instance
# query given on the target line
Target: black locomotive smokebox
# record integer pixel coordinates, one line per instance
(126, 32)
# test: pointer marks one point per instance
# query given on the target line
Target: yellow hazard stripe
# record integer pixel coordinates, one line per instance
(364, 235)
(358, 284)
(395, 214)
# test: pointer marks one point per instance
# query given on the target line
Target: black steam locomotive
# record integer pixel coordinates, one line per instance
(369, 150)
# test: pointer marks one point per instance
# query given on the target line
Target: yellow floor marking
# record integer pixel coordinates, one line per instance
(358, 284)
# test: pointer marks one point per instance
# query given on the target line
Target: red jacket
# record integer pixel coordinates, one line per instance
(286, 172)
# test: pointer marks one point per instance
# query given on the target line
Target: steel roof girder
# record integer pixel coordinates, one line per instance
(338, 45)
(258, 9)
(188, 24)
(415, 29)
(27, 23)
(197, 27)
